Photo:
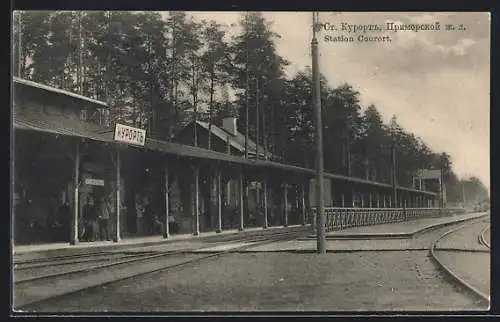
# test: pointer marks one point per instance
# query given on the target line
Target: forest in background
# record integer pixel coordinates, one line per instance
(161, 72)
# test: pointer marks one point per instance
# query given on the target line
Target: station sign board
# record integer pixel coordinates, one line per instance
(129, 134)
(94, 182)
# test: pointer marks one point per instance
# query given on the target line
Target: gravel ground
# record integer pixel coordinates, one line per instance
(365, 280)
(474, 268)
(466, 238)
(375, 281)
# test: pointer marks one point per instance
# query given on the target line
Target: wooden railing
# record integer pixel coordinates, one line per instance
(340, 218)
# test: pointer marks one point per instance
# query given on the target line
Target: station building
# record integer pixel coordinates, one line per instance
(67, 154)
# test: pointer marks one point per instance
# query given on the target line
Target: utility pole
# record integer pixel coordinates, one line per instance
(246, 100)
(19, 45)
(80, 55)
(320, 234)
(463, 194)
(264, 132)
(257, 103)
(394, 180)
(108, 61)
(348, 146)
(441, 192)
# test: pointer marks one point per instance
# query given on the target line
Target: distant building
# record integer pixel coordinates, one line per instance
(224, 138)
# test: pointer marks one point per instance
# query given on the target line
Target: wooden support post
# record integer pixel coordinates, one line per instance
(76, 182)
(196, 212)
(257, 194)
(362, 200)
(166, 230)
(353, 199)
(343, 200)
(390, 201)
(118, 207)
(285, 204)
(313, 212)
(370, 200)
(303, 203)
(265, 203)
(242, 222)
(383, 204)
(377, 196)
(219, 203)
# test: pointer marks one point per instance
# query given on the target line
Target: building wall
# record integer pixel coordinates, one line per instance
(32, 101)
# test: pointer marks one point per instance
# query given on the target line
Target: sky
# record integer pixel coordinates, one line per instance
(437, 82)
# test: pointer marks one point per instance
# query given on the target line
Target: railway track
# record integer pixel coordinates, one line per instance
(151, 259)
(482, 238)
(32, 291)
(466, 280)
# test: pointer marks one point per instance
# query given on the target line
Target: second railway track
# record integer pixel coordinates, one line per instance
(469, 281)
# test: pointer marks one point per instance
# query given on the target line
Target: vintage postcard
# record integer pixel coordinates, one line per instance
(254, 162)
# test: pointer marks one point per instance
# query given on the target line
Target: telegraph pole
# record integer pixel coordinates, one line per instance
(463, 194)
(257, 103)
(80, 55)
(19, 45)
(393, 169)
(246, 101)
(320, 227)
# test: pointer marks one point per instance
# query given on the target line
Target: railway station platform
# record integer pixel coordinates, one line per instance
(367, 236)
(57, 249)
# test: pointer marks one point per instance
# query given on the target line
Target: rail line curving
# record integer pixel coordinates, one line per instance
(460, 281)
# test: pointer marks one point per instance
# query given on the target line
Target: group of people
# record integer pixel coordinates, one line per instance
(40, 220)
(96, 213)
(148, 223)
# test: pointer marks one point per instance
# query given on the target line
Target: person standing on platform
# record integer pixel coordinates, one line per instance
(63, 220)
(149, 221)
(104, 214)
(90, 220)
(139, 210)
